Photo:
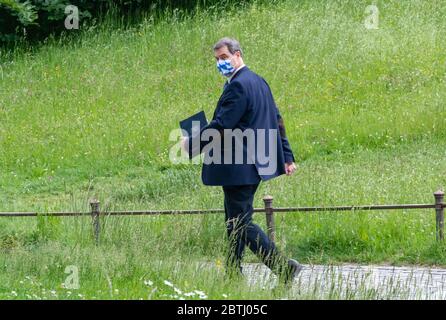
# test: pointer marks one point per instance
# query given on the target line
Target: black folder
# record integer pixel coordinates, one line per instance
(186, 124)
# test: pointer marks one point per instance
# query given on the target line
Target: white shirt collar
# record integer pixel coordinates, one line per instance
(232, 75)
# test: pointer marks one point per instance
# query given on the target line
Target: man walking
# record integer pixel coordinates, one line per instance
(246, 105)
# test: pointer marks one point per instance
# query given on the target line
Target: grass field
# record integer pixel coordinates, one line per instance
(90, 116)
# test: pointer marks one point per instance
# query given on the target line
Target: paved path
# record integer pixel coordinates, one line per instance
(356, 282)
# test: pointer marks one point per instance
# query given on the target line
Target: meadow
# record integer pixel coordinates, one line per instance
(90, 116)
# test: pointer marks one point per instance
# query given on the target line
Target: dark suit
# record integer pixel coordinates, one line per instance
(246, 103)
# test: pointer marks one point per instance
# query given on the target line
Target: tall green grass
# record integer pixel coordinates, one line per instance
(339, 85)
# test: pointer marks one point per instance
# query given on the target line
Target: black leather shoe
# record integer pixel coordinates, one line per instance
(294, 268)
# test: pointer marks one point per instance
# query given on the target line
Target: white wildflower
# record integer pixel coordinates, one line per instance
(189, 294)
(199, 292)
(178, 291)
(148, 282)
(168, 283)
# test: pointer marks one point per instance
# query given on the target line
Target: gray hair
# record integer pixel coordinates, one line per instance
(232, 44)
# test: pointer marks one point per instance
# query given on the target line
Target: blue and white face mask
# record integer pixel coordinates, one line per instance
(225, 67)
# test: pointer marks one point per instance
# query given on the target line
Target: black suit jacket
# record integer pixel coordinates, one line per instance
(246, 103)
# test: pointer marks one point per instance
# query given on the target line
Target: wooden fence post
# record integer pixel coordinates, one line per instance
(269, 211)
(439, 213)
(95, 216)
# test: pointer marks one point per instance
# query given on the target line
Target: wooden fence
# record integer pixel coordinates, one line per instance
(439, 205)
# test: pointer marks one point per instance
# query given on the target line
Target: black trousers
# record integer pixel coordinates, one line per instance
(243, 232)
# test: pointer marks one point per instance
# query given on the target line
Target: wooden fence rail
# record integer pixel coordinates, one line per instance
(439, 205)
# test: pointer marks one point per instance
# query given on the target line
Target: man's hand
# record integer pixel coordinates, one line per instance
(185, 144)
(290, 167)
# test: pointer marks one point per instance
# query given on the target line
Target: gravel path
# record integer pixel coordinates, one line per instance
(355, 282)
